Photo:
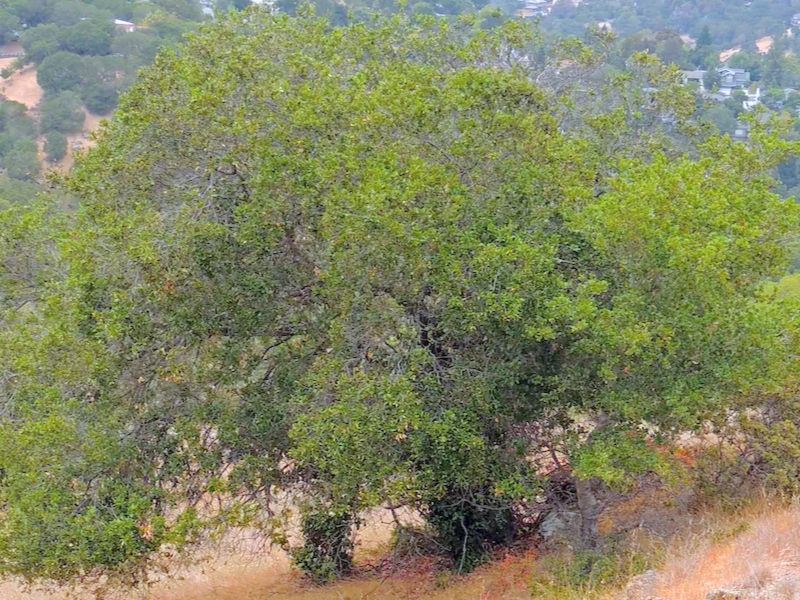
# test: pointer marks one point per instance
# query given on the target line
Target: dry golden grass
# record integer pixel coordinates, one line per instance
(758, 548)
(755, 551)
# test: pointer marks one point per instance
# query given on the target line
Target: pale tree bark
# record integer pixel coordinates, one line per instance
(589, 508)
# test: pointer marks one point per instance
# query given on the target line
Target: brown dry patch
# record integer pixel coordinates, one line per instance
(21, 86)
(79, 142)
(764, 44)
(769, 549)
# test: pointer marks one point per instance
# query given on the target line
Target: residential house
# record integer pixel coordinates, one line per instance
(753, 99)
(535, 8)
(732, 79)
(694, 77)
(124, 25)
(796, 20)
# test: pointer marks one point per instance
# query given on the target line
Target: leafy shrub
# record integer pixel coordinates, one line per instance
(467, 523)
(327, 551)
(55, 146)
(578, 574)
(99, 98)
(62, 112)
(22, 162)
(759, 448)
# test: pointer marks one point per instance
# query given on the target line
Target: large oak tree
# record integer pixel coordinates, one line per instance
(364, 265)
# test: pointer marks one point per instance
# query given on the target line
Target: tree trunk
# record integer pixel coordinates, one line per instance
(590, 511)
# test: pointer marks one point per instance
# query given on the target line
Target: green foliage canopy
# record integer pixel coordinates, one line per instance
(62, 112)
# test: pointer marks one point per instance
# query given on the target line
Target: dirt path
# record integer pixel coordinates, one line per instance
(21, 86)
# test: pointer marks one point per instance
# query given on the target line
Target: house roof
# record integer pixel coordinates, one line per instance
(694, 74)
(731, 71)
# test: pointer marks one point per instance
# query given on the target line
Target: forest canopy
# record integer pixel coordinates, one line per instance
(369, 265)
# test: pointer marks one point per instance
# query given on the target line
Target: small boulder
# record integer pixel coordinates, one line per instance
(642, 586)
(560, 527)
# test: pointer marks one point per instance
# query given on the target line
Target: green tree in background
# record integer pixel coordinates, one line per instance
(60, 72)
(722, 117)
(9, 27)
(704, 39)
(55, 146)
(99, 98)
(22, 161)
(712, 79)
(362, 266)
(40, 42)
(62, 112)
(87, 37)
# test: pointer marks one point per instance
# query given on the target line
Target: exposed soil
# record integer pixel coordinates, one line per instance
(21, 86)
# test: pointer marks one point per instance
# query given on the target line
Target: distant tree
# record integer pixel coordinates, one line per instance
(671, 50)
(704, 39)
(188, 10)
(490, 17)
(30, 12)
(736, 102)
(70, 12)
(121, 9)
(62, 112)
(15, 125)
(9, 27)
(17, 191)
(136, 44)
(722, 117)
(638, 42)
(751, 62)
(773, 98)
(40, 42)
(60, 72)
(170, 31)
(99, 98)
(22, 162)
(792, 101)
(712, 79)
(21, 127)
(55, 146)
(10, 109)
(87, 37)
(774, 70)
(423, 8)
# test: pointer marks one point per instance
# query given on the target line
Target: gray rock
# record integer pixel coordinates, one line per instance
(642, 587)
(560, 527)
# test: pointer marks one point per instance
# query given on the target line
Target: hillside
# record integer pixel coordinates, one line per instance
(22, 87)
